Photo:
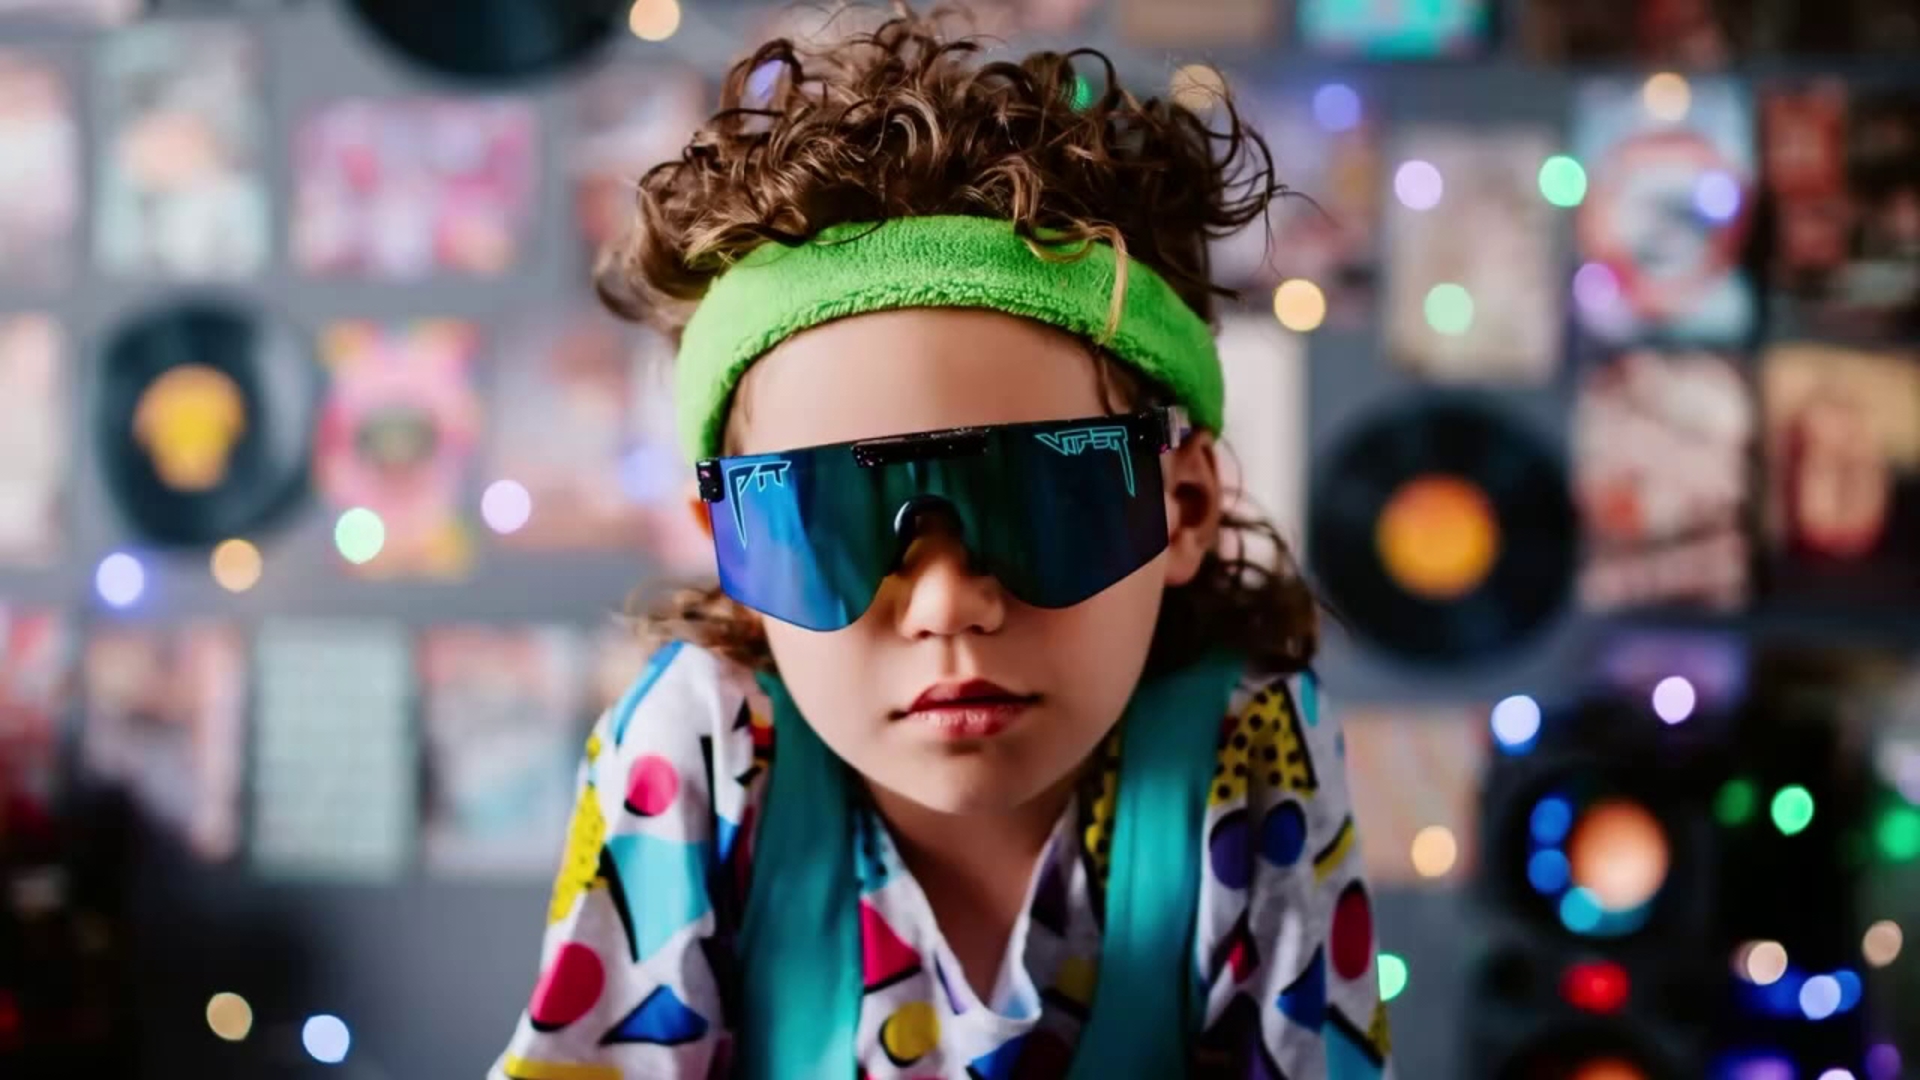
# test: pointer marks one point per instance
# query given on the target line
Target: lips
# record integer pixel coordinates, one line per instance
(971, 709)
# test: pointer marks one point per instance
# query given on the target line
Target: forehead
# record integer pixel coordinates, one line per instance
(891, 372)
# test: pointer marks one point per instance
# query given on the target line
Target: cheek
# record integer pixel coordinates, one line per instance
(821, 671)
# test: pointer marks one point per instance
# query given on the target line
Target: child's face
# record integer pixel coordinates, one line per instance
(934, 622)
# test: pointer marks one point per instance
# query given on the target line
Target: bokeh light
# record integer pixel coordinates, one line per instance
(359, 535)
(1608, 1069)
(1197, 86)
(1881, 943)
(1393, 975)
(1619, 854)
(1551, 820)
(1792, 809)
(1897, 833)
(1548, 872)
(1434, 851)
(1336, 107)
(1820, 997)
(1763, 963)
(1883, 1062)
(1596, 288)
(506, 506)
(1417, 184)
(120, 579)
(326, 1039)
(1449, 308)
(235, 565)
(1716, 194)
(1674, 699)
(1299, 305)
(1516, 721)
(654, 20)
(1667, 97)
(230, 1017)
(1563, 182)
(1837, 1073)
(1082, 93)
(1736, 802)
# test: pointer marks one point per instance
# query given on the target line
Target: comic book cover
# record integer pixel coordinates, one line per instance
(505, 716)
(1472, 230)
(584, 423)
(36, 684)
(1264, 453)
(627, 120)
(164, 721)
(1325, 149)
(1690, 34)
(39, 172)
(182, 191)
(401, 190)
(1663, 231)
(1414, 772)
(396, 436)
(335, 755)
(1663, 451)
(35, 443)
(1843, 166)
(1398, 29)
(1843, 462)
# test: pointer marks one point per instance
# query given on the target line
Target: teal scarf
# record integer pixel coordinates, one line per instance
(800, 934)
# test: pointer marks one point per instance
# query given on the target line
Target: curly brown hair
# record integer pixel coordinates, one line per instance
(908, 120)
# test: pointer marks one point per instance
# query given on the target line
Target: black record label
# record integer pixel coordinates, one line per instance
(205, 422)
(1443, 531)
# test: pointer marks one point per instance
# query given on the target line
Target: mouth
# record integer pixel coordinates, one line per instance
(973, 709)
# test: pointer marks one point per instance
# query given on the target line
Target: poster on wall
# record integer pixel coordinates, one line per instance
(627, 120)
(395, 440)
(1325, 149)
(1473, 289)
(1843, 167)
(505, 714)
(402, 190)
(335, 756)
(1264, 452)
(182, 192)
(1663, 445)
(1394, 29)
(35, 442)
(1843, 461)
(39, 172)
(1415, 776)
(1662, 233)
(36, 677)
(1687, 34)
(164, 723)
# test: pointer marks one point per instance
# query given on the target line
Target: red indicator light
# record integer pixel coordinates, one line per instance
(1597, 986)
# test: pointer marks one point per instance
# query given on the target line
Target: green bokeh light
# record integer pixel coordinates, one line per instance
(1898, 833)
(1562, 181)
(1393, 975)
(1449, 308)
(359, 535)
(1792, 809)
(1082, 93)
(1736, 802)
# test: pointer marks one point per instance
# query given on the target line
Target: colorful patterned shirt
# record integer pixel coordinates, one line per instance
(636, 970)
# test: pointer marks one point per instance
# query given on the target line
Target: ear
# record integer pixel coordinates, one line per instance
(697, 508)
(1195, 502)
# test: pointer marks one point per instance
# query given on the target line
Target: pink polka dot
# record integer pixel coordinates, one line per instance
(569, 989)
(651, 786)
(1352, 935)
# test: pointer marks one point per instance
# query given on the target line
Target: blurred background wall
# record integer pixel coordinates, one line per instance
(1586, 383)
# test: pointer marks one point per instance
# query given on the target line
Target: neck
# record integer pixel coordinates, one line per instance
(974, 870)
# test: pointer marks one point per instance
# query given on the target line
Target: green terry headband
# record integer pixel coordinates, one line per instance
(952, 262)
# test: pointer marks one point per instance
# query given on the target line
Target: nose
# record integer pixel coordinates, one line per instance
(942, 593)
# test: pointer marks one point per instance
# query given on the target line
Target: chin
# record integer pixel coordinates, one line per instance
(965, 791)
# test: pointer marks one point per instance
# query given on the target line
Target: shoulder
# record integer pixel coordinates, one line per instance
(1276, 739)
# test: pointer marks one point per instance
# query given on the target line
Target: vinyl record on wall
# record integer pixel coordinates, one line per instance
(1443, 531)
(494, 41)
(204, 419)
